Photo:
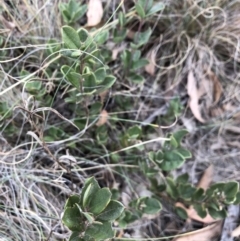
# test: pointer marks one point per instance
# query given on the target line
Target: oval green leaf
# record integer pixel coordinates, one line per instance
(70, 37)
(136, 78)
(178, 135)
(184, 152)
(76, 236)
(72, 77)
(72, 200)
(155, 8)
(83, 35)
(217, 214)
(100, 74)
(201, 211)
(182, 178)
(111, 212)
(100, 200)
(199, 195)
(171, 160)
(134, 132)
(152, 206)
(100, 231)
(90, 187)
(140, 10)
(73, 219)
(186, 190)
(139, 64)
(108, 82)
(181, 213)
(230, 189)
(102, 37)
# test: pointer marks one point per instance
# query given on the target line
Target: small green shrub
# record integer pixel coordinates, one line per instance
(72, 11)
(90, 214)
(91, 77)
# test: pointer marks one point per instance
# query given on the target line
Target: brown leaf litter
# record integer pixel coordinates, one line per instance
(236, 232)
(151, 57)
(116, 50)
(94, 13)
(203, 234)
(204, 91)
(103, 118)
(206, 178)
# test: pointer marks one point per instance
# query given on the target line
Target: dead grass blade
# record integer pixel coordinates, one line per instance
(57, 113)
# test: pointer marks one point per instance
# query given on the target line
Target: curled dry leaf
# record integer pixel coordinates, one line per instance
(203, 234)
(103, 118)
(121, 233)
(172, 227)
(117, 50)
(203, 85)
(130, 34)
(236, 232)
(151, 57)
(94, 13)
(217, 112)
(206, 178)
(217, 87)
(192, 214)
(194, 97)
